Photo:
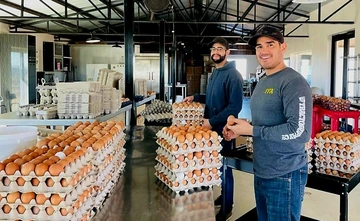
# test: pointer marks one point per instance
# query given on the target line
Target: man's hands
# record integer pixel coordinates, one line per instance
(240, 127)
(207, 124)
(188, 99)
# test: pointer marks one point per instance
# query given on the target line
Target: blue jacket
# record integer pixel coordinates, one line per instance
(223, 95)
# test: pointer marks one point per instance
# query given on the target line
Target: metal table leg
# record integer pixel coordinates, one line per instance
(223, 190)
(344, 204)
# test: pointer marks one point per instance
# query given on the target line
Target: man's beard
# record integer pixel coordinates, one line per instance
(221, 59)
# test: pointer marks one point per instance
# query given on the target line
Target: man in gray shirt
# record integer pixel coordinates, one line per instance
(281, 110)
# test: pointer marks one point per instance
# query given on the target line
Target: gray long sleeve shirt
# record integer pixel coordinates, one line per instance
(281, 110)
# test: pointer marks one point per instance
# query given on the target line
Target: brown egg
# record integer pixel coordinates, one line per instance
(6, 208)
(27, 197)
(197, 172)
(198, 155)
(41, 168)
(11, 168)
(54, 158)
(42, 142)
(35, 182)
(40, 199)
(12, 197)
(230, 120)
(56, 169)
(49, 182)
(190, 156)
(206, 136)
(63, 182)
(214, 170)
(215, 153)
(198, 136)
(206, 153)
(33, 148)
(21, 209)
(27, 158)
(63, 211)
(5, 162)
(19, 161)
(20, 181)
(214, 135)
(35, 210)
(205, 171)
(34, 154)
(2, 166)
(49, 162)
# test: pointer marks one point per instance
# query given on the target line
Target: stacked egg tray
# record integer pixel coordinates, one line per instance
(189, 206)
(188, 157)
(48, 94)
(188, 113)
(309, 148)
(47, 113)
(109, 207)
(337, 153)
(79, 100)
(111, 99)
(72, 182)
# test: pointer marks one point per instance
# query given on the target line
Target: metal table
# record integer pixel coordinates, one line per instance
(240, 159)
(12, 119)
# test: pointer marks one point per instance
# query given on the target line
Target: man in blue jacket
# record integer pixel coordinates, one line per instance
(223, 98)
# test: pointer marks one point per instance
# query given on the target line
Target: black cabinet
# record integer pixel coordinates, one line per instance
(56, 57)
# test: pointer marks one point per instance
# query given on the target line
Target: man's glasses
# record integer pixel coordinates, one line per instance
(219, 49)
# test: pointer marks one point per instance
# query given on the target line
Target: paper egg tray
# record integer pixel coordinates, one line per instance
(190, 147)
(190, 206)
(42, 187)
(172, 140)
(187, 185)
(109, 171)
(190, 165)
(327, 140)
(180, 176)
(345, 166)
(335, 173)
(203, 153)
(43, 215)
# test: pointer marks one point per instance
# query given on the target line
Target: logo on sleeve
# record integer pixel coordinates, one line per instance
(269, 91)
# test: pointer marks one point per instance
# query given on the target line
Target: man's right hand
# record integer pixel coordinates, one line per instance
(188, 99)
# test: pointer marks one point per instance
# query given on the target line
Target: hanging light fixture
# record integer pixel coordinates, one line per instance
(308, 1)
(116, 45)
(92, 39)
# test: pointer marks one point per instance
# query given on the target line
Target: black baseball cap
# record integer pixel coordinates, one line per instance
(268, 32)
(221, 41)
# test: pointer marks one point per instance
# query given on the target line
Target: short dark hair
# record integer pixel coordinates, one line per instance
(221, 41)
(268, 32)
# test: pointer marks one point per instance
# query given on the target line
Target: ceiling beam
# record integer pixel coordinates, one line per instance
(30, 11)
(243, 16)
(115, 9)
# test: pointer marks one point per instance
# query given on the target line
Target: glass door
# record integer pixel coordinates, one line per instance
(342, 53)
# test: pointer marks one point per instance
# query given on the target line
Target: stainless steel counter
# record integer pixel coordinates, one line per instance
(140, 196)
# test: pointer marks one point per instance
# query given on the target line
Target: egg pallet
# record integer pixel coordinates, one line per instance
(199, 206)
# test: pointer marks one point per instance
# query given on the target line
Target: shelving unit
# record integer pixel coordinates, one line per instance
(56, 57)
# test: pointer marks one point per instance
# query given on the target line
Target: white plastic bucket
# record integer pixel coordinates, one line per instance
(16, 138)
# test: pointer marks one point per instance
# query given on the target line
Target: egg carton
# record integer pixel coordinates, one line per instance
(172, 140)
(78, 87)
(79, 97)
(338, 158)
(49, 113)
(78, 115)
(46, 100)
(54, 93)
(109, 172)
(199, 108)
(44, 92)
(335, 173)
(186, 185)
(47, 212)
(68, 200)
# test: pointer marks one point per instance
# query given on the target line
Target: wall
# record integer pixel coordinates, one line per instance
(319, 41)
(251, 64)
(4, 28)
(94, 54)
